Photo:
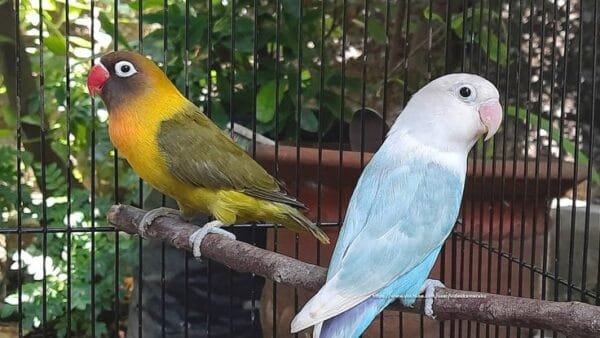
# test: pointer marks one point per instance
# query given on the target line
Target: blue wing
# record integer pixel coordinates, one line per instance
(401, 211)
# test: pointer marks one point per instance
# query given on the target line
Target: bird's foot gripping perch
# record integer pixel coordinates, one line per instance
(428, 288)
(198, 236)
(153, 214)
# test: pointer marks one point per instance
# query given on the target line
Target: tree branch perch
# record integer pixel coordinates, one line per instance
(569, 318)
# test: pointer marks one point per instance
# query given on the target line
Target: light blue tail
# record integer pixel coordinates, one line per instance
(355, 321)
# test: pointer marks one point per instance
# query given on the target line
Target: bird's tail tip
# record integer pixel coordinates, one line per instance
(322, 237)
(307, 225)
(300, 322)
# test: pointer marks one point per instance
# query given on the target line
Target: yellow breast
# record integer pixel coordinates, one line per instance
(133, 131)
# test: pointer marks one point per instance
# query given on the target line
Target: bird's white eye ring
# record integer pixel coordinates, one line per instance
(124, 69)
(466, 93)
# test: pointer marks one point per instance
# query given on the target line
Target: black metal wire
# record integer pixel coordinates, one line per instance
(483, 158)
(538, 151)
(277, 86)
(43, 185)
(591, 143)
(231, 121)
(503, 192)
(255, 63)
(186, 258)
(384, 113)
(363, 87)
(494, 163)
(342, 109)
(550, 118)
(116, 307)
(69, 167)
(443, 252)
(584, 263)
(405, 85)
(458, 259)
(163, 309)
(517, 82)
(525, 167)
(116, 188)
(576, 157)
(297, 170)
(320, 127)
(591, 150)
(561, 129)
(470, 254)
(140, 272)
(19, 137)
(186, 74)
(209, 102)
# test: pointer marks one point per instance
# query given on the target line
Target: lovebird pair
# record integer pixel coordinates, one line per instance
(403, 208)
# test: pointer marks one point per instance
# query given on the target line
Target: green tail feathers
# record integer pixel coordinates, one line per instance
(296, 221)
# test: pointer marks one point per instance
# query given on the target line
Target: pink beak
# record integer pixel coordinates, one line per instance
(97, 78)
(490, 114)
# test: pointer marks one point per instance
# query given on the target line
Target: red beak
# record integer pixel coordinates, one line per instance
(97, 78)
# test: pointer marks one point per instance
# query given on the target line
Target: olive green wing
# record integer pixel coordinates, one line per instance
(199, 153)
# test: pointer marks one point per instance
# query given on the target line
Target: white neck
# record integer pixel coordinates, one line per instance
(404, 144)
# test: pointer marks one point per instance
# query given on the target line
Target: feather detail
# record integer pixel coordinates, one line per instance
(274, 196)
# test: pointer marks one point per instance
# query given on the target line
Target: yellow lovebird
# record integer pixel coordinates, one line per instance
(174, 147)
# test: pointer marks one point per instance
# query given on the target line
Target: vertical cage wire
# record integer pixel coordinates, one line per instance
(591, 142)
(542, 66)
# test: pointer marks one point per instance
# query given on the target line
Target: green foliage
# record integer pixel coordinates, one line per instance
(48, 195)
(240, 102)
(81, 278)
(568, 146)
(468, 27)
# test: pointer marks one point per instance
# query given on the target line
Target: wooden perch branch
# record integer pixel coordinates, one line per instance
(570, 318)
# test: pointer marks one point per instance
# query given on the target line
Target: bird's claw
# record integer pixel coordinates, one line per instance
(198, 236)
(428, 288)
(153, 214)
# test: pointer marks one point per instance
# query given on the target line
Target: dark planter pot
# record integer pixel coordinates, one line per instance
(498, 205)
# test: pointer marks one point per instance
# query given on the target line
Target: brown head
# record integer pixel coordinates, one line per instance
(124, 77)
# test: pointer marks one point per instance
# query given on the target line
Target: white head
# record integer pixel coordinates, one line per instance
(451, 113)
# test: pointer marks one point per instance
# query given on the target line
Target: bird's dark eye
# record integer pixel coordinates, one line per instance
(124, 69)
(465, 92)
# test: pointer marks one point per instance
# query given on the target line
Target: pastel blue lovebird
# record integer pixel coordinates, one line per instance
(404, 206)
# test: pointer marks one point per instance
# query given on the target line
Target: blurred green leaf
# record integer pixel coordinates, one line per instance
(434, 16)
(147, 5)
(218, 115)
(33, 119)
(493, 48)
(265, 100)
(56, 44)
(6, 39)
(81, 42)
(309, 121)
(377, 31)
(291, 8)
